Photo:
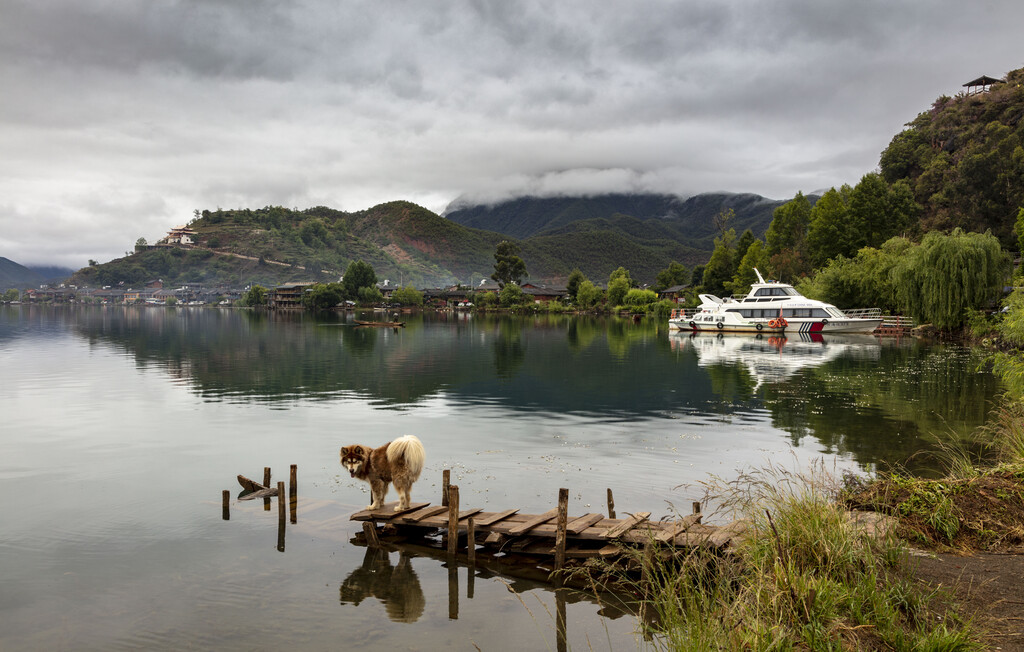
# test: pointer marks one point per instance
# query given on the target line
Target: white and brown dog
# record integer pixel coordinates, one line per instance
(399, 462)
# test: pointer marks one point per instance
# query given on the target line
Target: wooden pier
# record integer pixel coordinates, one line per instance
(549, 541)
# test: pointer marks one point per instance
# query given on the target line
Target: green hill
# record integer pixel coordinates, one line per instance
(964, 159)
(402, 241)
(13, 275)
(690, 220)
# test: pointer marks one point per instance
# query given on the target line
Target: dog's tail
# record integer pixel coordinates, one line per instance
(410, 449)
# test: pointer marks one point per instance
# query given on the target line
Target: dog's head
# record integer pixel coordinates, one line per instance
(354, 458)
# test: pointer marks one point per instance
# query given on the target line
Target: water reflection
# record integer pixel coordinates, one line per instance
(774, 359)
(874, 400)
(396, 586)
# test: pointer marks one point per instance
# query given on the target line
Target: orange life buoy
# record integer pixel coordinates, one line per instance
(774, 323)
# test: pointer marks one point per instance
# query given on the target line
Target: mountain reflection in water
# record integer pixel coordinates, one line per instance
(879, 400)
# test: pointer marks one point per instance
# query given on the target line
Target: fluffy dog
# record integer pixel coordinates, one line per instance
(399, 462)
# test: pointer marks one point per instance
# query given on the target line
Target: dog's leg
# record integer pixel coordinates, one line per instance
(403, 488)
(378, 490)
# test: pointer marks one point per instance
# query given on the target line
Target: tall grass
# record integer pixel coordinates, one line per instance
(807, 576)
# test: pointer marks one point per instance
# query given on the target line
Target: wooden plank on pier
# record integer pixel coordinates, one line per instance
(627, 525)
(465, 514)
(581, 523)
(420, 514)
(673, 529)
(609, 550)
(495, 517)
(385, 512)
(495, 539)
(533, 522)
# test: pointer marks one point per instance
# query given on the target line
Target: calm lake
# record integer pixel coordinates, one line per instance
(121, 426)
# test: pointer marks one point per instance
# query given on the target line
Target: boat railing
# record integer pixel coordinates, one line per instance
(863, 313)
(897, 322)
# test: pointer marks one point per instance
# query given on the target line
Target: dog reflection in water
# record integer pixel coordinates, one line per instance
(397, 587)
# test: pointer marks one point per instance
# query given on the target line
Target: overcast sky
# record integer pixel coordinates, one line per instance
(119, 118)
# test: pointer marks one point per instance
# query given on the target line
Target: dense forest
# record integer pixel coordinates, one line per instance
(963, 160)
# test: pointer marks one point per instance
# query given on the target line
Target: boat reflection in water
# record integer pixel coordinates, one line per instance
(775, 358)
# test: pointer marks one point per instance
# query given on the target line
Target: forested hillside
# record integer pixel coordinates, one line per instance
(964, 160)
(690, 220)
(403, 242)
(13, 275)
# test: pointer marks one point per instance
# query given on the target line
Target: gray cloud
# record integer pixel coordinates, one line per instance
(119, 119)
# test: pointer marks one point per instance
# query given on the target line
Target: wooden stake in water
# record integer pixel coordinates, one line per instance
(446, 477)
(226, 505)
(293, 494)
(611, 504)
(471, 543)
(453, 520)
(563, 518)
(266, 483)
(370, 530)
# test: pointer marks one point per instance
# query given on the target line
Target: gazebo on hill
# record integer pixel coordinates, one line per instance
(981, 84)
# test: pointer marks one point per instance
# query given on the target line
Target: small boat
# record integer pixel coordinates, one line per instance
(385, 324)
(712, 317)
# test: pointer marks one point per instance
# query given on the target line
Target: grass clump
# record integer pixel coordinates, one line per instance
(806, 576)
(973, 507)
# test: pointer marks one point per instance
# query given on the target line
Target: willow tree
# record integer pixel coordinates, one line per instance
(938, 280)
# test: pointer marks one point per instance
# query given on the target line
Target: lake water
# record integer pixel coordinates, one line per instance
(121, 426)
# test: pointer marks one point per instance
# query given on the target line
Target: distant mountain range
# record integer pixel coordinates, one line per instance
(688, 220)
(410, 244)
(15, 275)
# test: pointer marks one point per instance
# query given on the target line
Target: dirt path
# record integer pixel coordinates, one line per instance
(988, 586)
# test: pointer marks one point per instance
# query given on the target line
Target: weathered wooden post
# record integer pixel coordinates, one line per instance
(226, 505)
(696, 507)
(446, 477)
(611, 504)
(453, 520)
(370, 530)
(563, 519)
(280, 516)
(471, 542)
(266, 483)
(293, 494)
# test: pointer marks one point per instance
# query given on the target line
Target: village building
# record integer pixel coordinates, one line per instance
(673, 294)
(181, 235)
(288, 296)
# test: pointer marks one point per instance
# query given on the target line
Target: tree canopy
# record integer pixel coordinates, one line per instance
(358, 275)
(508, 266)
(945, 275)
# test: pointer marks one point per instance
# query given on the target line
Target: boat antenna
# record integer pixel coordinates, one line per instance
(760, 279)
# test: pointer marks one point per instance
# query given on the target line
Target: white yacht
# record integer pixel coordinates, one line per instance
(773, 300)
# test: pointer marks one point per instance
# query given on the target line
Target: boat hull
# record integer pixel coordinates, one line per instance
(833, 325)
(684, 324)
